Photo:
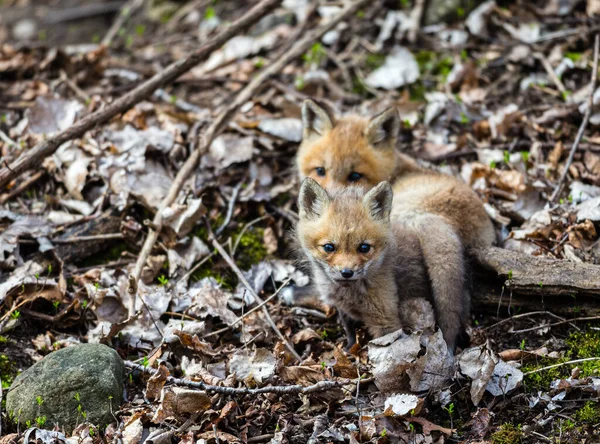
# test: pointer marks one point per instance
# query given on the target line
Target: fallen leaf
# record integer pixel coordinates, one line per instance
(402, 405)
(400, 68)
(178, 403)
(50, 115)
(305, 335)
(478, 363)
(287, 128)
(156, 382)
(260, 365)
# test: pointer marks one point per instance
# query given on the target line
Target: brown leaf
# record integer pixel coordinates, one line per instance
(194, 343)
(429, 427)
(305, 335)
(301, 375)
(583, 235)
(156, 382)
(481, 422)
(343, 367)
(177, 402)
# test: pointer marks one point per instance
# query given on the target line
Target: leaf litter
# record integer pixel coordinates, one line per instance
(477, 101)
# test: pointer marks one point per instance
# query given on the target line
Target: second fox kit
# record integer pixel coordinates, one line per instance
(444, 213)
(370, 269)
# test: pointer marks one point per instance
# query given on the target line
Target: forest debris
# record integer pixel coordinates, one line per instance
(476, 22)
(206, 298)
(504, 379)
(178, 403)
(400, 68)
(259, 366)
(478, 363)
(228, 149)
(402, 404)
(49, 115)
(289, 129)
(399, 363)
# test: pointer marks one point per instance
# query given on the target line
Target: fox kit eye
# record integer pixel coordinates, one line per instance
(354, 176)
(320, 171)
(364, 248)
(329, 248)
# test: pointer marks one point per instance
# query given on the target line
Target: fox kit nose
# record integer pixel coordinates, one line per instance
(347, 273)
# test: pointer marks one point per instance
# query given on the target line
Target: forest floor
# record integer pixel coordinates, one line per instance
(494, 95)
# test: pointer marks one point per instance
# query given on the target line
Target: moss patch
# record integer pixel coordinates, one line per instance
(7, 371)
(507, 434)
(585, 344)
(589, 413)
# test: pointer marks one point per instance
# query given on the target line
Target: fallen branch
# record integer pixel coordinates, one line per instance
(35, 156)
(540, 275)
(241, 318)
(245, 94)
(584, 122)
(280, 389)
(245, 283)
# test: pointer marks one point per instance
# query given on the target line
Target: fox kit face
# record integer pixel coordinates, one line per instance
(344, 233)
(350, 151)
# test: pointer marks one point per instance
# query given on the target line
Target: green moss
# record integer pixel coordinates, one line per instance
(585, 344)
(7, 371)
(224, 279)
(417, 91)
(589, 413)
(543, 379)
(507, 434)
(251, 249)
(374, 61)
(3, 339)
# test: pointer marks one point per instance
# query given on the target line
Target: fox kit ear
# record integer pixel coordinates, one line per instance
(316, 121)
(383, 129)
(313, 199)
(378, 202)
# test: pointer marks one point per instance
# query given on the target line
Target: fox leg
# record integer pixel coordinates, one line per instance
(443, 253)
(350, 326)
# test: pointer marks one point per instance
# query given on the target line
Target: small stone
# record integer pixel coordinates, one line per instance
(86, 375)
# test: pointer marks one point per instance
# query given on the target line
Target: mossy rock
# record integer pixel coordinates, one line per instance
(81, 383)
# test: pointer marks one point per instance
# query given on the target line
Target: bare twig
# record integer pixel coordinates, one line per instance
(95, 237)
(21, 187)
(279, 389)
(550, 71)
(128, 8)
(415, 17)
(4, 137)
(554, 324)
(35, 156)
(575, 361)
(526, 315)
(584, 122)
(248, 287)
(249, 91)
(241, 318)
(230, 207)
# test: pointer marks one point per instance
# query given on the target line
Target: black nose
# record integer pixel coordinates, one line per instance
(347, 273)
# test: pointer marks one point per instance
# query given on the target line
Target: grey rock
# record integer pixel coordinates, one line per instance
(86, 375)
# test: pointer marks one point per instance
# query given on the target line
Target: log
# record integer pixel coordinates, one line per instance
(525, 274)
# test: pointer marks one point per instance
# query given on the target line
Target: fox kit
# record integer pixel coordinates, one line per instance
(364, 265)
(444, 213)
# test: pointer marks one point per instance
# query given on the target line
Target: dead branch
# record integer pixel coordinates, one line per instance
(35, 156)
(250, 290)
(250, 90)
(280, 389)
(128, 8)
(540, 275)
(584, 122)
